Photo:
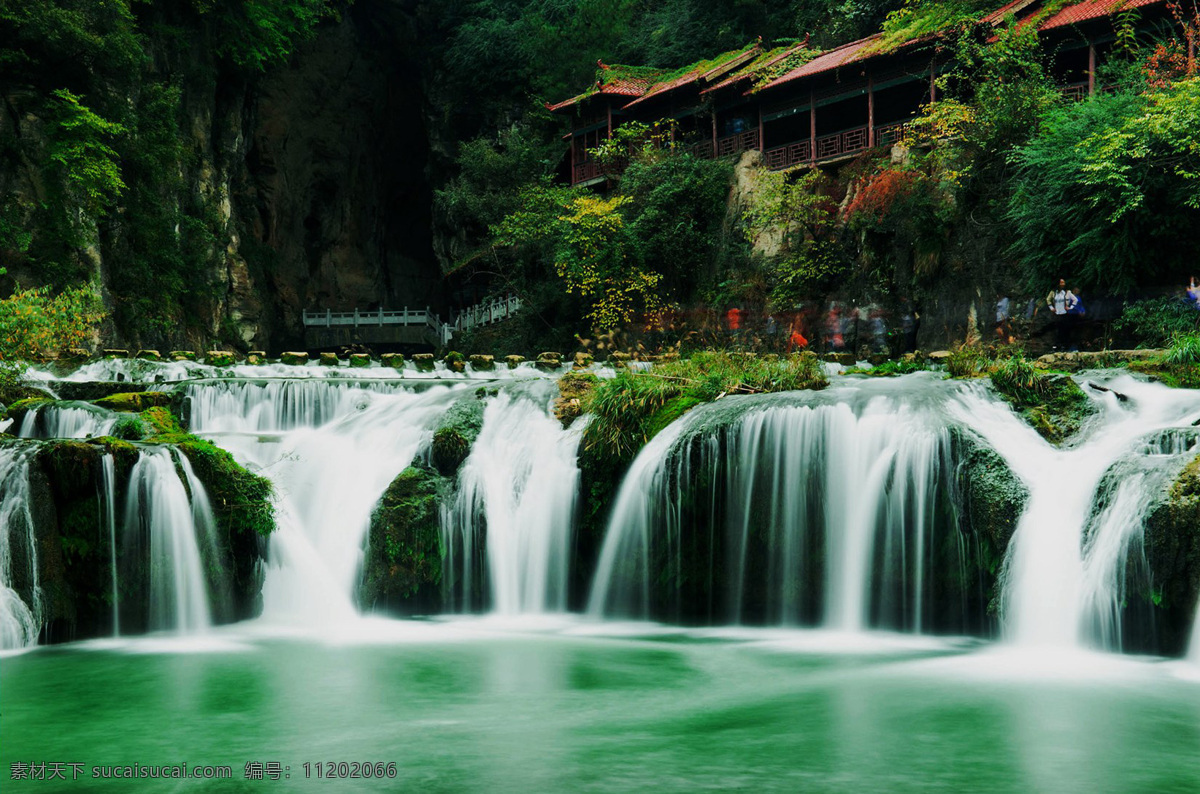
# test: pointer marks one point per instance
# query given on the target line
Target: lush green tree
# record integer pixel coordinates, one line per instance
(1107, 192)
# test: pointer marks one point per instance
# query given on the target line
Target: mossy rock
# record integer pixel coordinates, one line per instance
(514, 361)
(455, 362)
(130, 428)
(1172, 548)
(619, 359)
(1059, 412)
(183, 355)
(114, 352)
(424, 362)
(241, 500)
(583, 360)
(483, 363)
(671, 410)
(393, 360)
(402, 572)
(149, 355)
(293, 358)
(135, 402)
(161, 423)
(219, 358)
(329, 360)
(548, 362)
(456, 433)
(573, 389)
(256, 358)
(89, 391)
(18, 409)
(360, 360)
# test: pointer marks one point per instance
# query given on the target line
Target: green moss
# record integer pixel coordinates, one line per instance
(403, 569)
(671, 410)
(18, 409)
(130, 428)
(1177, 376)
(134, 402)
(454, 435)
(1052, 403)
(241, 500)
(163, 425)
(1172, 549)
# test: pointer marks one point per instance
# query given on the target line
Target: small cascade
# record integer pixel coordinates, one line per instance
(108, 507)
(835, 509)
(1064, 576)
(333, 454)
(160, 513)
(246, 406)
(67, 420)
(516, 498)
(20, 588)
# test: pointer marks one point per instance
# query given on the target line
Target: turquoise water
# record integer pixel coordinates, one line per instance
(475, 706)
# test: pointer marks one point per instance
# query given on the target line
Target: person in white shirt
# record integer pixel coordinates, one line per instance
(1059, 302)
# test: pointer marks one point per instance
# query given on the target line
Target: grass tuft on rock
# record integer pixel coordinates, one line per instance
(630, 409)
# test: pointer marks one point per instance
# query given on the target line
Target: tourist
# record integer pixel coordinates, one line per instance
(1193, 293)
(1002, 325)
(1059, 301)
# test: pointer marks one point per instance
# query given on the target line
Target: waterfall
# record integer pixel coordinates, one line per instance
(516, 492)
(808, 508)
(108, 506)
(159, 513)
(331, 450)
(1063, 577)
(20, 588)
(1195, 652)
(67, 420)
(277, 405)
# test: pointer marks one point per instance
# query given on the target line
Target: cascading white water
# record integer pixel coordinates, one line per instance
(159, 512)
(78, 420)
(517, 489)
(1057, 584)
(274, 405)
(833, 488)
(20, 617)
(108, 507)
(329, 471)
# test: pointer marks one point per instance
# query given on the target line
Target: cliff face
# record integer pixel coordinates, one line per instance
(258, 195)
(335, 184)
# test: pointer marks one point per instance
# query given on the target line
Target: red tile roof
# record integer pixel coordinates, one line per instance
(836, 58)
(1091, 9)
(702, 71)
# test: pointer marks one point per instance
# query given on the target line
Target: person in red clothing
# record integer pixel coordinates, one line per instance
(796, 340)
(733, 319)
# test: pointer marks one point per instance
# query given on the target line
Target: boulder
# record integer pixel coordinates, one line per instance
(393, 360)
(455, 362)
(329, 359)
(483, 362)
(183, 355)
(219, 358)
(514, 361)
(424, 361)
(149, 355)
(456, 433)
(548, 362)
(583, 360)
(294, 359)
(402, 570)
(360, 360)
(256, 357)
(115, 353)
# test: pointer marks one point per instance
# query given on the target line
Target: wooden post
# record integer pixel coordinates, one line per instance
(714, 120)
(610, 120)
(870, 112)
(812, 125)
(572, 157)
(762, 143)
(1091, 68)
(932, 83)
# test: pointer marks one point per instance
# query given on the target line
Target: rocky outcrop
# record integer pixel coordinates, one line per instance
(457, 431)
(1172, 549)
(402, 573)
